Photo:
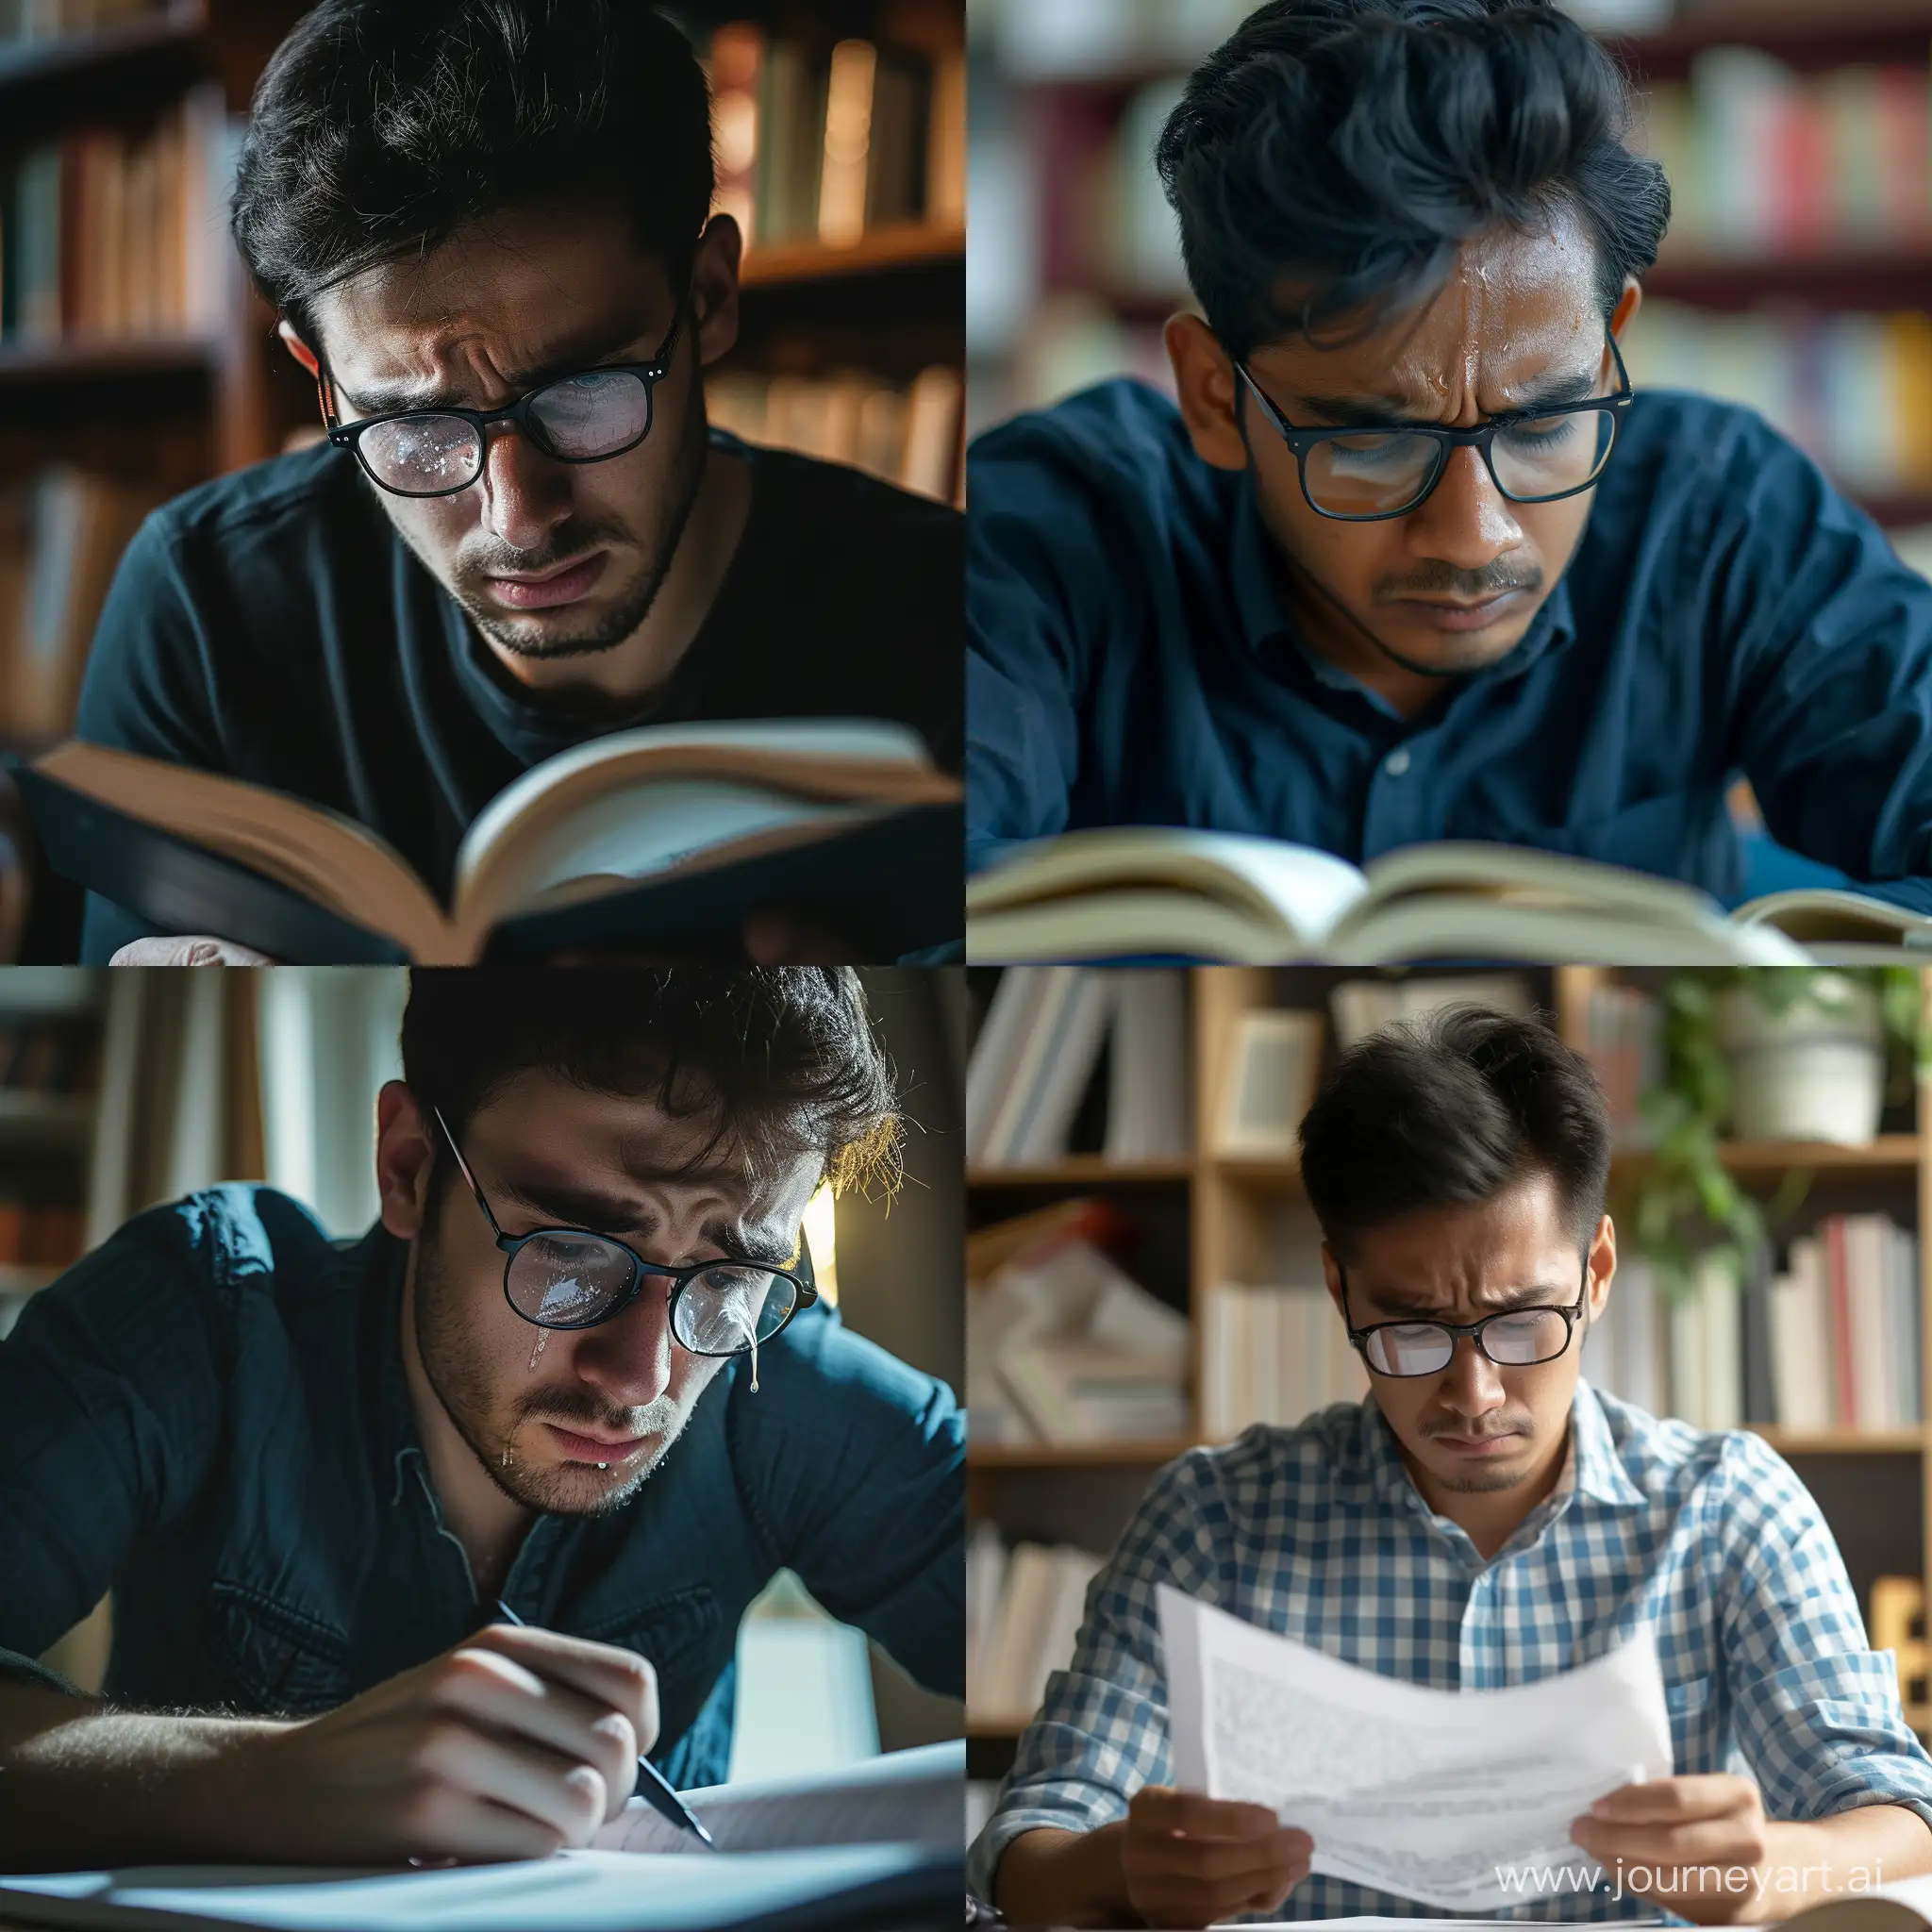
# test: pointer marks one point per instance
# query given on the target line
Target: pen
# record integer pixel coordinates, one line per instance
(653, 1786)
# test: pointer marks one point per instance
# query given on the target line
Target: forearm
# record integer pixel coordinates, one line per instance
(1807, 1862)
(1065, 1878)
(88, 1785)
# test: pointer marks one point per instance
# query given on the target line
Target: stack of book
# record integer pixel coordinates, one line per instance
(1039, 1049)
(1763, 162)
(1064, 1346)
(1274, 1355)
(1023, 1610)
(1831, 1342)
(61, 536)
(909, 434)
(829, 143)
(1624, 1040)
(119, 232)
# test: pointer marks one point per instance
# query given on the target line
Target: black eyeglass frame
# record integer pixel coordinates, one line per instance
(349, 435)
(641, 1269)
(1302, 440)
(1358, 1338)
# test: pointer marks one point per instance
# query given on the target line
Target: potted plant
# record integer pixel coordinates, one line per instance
(1763, 1053)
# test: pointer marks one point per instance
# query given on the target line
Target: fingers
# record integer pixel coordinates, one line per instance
(1675, 1800)
(188, 950)
(1160, 1808)
(617, 1679)
(1188, 1861)
(511, 1775)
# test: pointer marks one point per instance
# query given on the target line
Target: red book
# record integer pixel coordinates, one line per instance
(1801, 161)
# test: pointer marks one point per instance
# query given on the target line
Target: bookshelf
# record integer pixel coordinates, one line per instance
(1076, 264)
(1874, 1485)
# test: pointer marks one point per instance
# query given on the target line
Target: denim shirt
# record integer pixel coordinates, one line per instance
(1132, 660)
(209, 1413)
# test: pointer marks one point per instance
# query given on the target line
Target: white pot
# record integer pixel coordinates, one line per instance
(1815, 1072)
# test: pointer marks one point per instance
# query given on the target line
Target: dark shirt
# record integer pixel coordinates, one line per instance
(1131, 659)
(272, 625)
(209, 1414)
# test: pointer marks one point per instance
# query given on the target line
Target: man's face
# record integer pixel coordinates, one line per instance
(1475, 1426)
(551, 559)
(543, 1408)
(1454, 584)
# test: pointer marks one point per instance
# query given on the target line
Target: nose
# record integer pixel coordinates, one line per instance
(1465, 520)
(525, 494)
(1472, 1385)
(628, 1360)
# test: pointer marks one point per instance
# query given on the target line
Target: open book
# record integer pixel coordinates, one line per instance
(664, 838)
(1140, 891)
(880, 1845)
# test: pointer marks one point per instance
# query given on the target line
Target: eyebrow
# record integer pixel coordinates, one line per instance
(387, 399)
(1509, 1299)
(1378, 407)
(567, 1204)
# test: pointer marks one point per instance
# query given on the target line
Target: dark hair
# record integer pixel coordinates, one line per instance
(1353, 146)
(1450, 1110)
(379, 127)
(783, 1060)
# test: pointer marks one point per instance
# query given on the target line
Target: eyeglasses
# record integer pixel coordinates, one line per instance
(569, 1277)
(1366, 473)
(1512, 1339)
(577, 419)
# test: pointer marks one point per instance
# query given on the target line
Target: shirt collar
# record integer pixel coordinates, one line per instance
(1267, 622)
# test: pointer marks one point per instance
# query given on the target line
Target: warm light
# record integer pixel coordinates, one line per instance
(821, 1237)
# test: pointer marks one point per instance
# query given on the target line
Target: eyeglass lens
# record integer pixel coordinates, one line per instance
(1379, 473)
(1422, 1348)
(583, 417)
(563, 1280)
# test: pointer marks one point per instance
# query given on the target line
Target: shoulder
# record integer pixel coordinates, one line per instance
(235, 1241)
(288, 499)
(1675, 445)
(820, 1375)
(855, 513)
(1732, 1479)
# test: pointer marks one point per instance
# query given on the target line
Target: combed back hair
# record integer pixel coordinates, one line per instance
(1448, 1111)
(775, 1061)
(1330, 159)
(378, 128)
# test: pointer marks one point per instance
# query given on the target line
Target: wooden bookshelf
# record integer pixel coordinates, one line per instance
(1083, 1493)
(908, 245)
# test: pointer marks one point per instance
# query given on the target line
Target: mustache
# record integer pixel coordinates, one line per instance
(1466, 586)
(571, 1409)
(571, 542)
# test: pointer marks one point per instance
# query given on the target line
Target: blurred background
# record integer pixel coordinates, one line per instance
(135, 361)
(120, 1090)
(1796, 276)
(1144, 1270)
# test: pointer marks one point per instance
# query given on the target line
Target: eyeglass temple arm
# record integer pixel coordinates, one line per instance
(481, 1202)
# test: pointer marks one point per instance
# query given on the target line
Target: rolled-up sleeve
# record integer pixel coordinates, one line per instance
(1101, 1732)
(1816, 1710)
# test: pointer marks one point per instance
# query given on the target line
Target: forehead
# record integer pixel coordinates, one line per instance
(1515, 309)
(1516, 1239)
(539, 1128)
(512, 292)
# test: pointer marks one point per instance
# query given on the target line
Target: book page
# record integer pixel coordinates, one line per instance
(903, 1797)
(1457, 1799)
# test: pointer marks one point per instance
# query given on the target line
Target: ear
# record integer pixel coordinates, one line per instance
(714, 287)
(1603, 1265)
(1331, 1274)
(1628, 303)
(1208, 392)
(405, 1158)
(298, 348)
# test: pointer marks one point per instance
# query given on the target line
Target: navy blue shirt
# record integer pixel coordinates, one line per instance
(1131, 659)
(209, 1413)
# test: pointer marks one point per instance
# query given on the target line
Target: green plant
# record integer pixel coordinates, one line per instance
(1684, 1204)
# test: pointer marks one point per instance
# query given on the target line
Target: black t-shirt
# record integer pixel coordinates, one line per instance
(272, 625)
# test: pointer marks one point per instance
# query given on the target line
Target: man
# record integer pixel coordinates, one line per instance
(576, 1370)
(501, 209)
(1481, 1518)
(1410, 562)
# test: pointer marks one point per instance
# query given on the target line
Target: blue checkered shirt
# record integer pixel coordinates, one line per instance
(1319, 1533)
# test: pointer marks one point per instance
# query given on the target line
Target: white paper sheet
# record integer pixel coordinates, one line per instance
(1461, 1800)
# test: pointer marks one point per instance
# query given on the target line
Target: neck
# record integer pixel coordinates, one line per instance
(1491, 1517)
(489, 1525)
(624, 676)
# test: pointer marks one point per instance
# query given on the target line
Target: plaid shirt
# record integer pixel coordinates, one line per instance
(1319, 1533)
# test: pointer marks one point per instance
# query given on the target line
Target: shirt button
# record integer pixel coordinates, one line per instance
(1395, 763)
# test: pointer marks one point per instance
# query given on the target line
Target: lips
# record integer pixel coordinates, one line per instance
(1458, 617)
(581, 1448)
(556, 587)
(1476, 1445)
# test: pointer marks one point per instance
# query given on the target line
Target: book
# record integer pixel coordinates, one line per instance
(1268, 1084)
(664, 838)
(876, 1844)
(1147, 1113)
(1148, 890)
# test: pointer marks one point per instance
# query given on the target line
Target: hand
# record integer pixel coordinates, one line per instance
(1701, 1843)
(188, 950)
(1190, 1860)
(512, 1745)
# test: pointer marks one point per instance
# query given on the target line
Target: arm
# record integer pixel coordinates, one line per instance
(1827, 662)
